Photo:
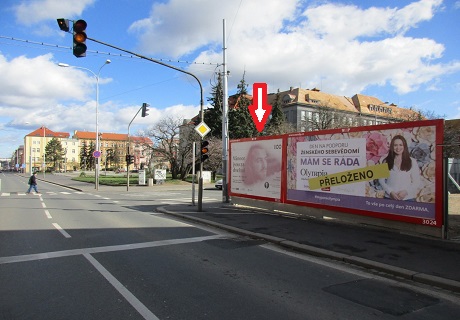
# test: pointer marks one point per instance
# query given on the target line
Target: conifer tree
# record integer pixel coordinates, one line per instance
(240, 123)
(54, 152)
(213, 116)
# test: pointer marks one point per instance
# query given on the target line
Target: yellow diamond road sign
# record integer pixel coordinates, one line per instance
(202, 129)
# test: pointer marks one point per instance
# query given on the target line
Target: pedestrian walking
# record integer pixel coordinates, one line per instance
(33, 183)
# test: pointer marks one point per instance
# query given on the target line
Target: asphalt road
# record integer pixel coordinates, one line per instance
(67, 254)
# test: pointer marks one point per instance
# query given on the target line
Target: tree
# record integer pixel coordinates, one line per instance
(326, 117)
(169, 146)
(86, 157)
(110, 158)
(278, 124)
(213, 116)
(54, 153)
(240, 122)
(214, 162)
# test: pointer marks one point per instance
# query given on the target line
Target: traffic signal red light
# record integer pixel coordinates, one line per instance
(79, 38)
(204, 150)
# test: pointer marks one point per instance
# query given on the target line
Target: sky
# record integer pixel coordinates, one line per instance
(401, 51)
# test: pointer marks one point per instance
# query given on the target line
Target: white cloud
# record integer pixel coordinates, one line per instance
(345, 47)
(31, 12)
(22, 82)
(179, 27)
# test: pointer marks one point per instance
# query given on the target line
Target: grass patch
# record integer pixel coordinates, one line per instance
(122, 180)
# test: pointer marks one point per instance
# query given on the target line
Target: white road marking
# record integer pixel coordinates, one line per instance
(141, 308)
(48, 214)
(131, 246)
(64, 233)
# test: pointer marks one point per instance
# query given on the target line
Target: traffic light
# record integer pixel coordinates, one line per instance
(79, 38)
(145, 109)
(129, 159)
(204, 150)
(63, 24)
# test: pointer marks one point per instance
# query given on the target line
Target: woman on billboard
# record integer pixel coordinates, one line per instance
(404, 179)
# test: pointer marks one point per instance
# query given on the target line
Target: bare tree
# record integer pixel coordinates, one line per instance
(325, 117)
(214, 162)
(169, 147)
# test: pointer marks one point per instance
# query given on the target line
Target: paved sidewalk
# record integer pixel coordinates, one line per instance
(422, 259)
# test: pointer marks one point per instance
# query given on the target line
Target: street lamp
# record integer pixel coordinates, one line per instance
(44, 152)
(98, 158)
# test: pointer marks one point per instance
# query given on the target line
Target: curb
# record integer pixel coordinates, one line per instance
(423, 278)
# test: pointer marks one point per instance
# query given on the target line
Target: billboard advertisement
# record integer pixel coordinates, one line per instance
(256, 167)
(389, 171)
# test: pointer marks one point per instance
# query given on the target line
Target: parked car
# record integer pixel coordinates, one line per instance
(219, 184)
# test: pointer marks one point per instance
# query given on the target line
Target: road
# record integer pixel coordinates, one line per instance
(67, 254)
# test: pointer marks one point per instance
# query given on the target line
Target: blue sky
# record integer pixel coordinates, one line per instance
(401, 51)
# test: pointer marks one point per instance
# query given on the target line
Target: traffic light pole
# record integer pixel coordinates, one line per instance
(200, 183)
(129, 145)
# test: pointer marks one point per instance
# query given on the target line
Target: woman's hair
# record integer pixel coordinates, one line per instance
(406, 163)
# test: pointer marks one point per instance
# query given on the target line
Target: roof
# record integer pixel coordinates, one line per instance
(45, 132)
(358, 103)
(89, 135)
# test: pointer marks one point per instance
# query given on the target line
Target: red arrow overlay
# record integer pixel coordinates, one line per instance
(259, 109)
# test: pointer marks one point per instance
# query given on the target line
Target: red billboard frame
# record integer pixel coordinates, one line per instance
(270, 189)
(426, 209)
(412, 212)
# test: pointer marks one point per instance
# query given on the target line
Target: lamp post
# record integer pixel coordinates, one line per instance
(44, 152)
(98, 159)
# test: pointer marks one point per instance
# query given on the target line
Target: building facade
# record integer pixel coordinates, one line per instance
(34, 147)
(311, 109)
(113, 148)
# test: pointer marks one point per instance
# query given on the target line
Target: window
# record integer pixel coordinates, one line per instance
(302, 116)
(286, 99)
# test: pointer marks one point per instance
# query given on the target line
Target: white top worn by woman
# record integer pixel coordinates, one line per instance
(402, 180)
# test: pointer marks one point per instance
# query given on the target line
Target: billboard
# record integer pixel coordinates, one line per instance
(389, 171)
(256, 167)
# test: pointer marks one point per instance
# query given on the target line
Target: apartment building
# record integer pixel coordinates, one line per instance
(113, 147)
(304, 108)
(34, 147)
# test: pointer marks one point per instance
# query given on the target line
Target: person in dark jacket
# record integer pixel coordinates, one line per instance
(33, 183)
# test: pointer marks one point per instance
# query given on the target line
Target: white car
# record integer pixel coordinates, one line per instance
(219, 184)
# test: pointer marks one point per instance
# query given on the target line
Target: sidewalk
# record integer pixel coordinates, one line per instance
(421, 259)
